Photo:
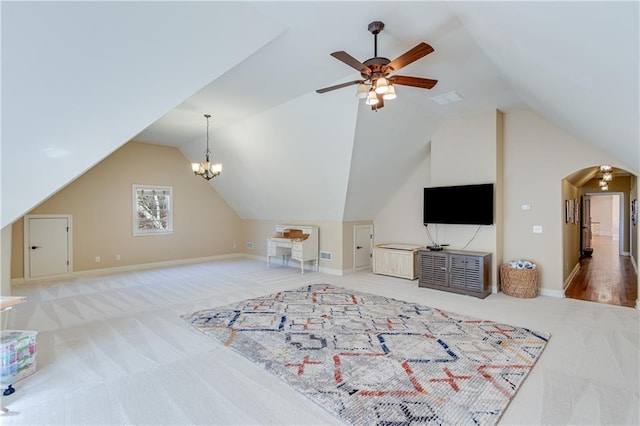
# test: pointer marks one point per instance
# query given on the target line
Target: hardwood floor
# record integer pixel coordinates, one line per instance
(605, 277)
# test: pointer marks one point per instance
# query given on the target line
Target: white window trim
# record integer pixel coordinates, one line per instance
(137, 232)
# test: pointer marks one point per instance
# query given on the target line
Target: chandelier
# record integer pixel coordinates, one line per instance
(205, 169)
(607, 176)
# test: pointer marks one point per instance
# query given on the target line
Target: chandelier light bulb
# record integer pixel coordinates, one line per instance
(372, 98)
(390, 94)
(382, 86)
(363, 91)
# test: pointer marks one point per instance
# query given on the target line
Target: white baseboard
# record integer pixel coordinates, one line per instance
(359, 269)
(552, 293)
(570, 277)
(126, 268)
(332, 271)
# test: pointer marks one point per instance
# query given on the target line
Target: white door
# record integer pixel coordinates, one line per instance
(363, 239)
(47, 245)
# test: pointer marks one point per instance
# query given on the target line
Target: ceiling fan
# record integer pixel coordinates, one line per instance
(377, 84)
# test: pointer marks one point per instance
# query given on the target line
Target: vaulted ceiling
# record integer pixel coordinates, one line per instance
(81, 79)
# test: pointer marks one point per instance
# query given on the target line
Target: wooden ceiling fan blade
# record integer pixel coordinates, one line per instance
(423, 83)
(421, 50)
(339, 86)
(352, 62)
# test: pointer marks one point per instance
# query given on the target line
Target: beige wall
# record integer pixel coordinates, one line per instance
(101, 204)
(329, 236)
(465, 150)
(5, 261)
(537, 156)
(348, 242)
(570, 233)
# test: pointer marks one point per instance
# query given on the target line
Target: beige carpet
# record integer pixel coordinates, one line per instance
(113, 350)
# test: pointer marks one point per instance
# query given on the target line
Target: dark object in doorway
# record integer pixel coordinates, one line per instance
(587, 252)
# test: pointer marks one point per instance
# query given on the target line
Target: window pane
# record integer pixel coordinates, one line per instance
(152, 210)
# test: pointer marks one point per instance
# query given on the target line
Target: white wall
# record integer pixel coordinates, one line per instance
(281, 164)
(602, 214)
(400, 219)
(79, 79)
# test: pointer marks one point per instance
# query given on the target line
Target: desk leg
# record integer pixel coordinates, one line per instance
(301, 267)
(268, 261)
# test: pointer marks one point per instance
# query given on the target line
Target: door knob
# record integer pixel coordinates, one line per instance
(358, 247)
(35, 247)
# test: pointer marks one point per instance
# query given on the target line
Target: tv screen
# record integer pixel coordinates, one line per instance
(459, 205)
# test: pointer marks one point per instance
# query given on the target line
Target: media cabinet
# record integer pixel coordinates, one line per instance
(456, 271)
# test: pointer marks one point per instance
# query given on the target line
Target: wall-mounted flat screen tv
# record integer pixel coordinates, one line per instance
(459, 205)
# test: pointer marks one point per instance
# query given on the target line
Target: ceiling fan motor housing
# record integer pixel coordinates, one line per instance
(377, 67)
(375, 27)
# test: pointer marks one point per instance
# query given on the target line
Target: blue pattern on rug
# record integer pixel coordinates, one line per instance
(371, 359)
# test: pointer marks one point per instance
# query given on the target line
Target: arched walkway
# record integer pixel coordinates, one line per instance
(605, 277)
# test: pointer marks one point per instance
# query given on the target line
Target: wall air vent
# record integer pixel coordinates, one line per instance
(325, 255)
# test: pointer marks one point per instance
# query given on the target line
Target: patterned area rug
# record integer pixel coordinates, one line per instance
(375, 360)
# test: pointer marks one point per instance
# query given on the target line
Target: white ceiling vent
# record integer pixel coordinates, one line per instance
(447, 98)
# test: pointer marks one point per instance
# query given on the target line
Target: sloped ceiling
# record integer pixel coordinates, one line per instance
(96, 74)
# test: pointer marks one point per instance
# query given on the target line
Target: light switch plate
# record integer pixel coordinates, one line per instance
(537, 229)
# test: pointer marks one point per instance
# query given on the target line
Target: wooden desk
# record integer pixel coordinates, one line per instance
(298, 242)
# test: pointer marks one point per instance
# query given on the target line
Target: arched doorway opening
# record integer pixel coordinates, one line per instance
(600, 238)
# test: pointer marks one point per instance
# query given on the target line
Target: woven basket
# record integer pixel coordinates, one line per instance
(519, 282)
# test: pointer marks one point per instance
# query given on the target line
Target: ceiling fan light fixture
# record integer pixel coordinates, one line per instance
(372, 98)
(390, 94)
(382, 85)
(363, 91)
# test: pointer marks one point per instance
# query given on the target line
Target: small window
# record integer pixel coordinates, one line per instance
(152, 210)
